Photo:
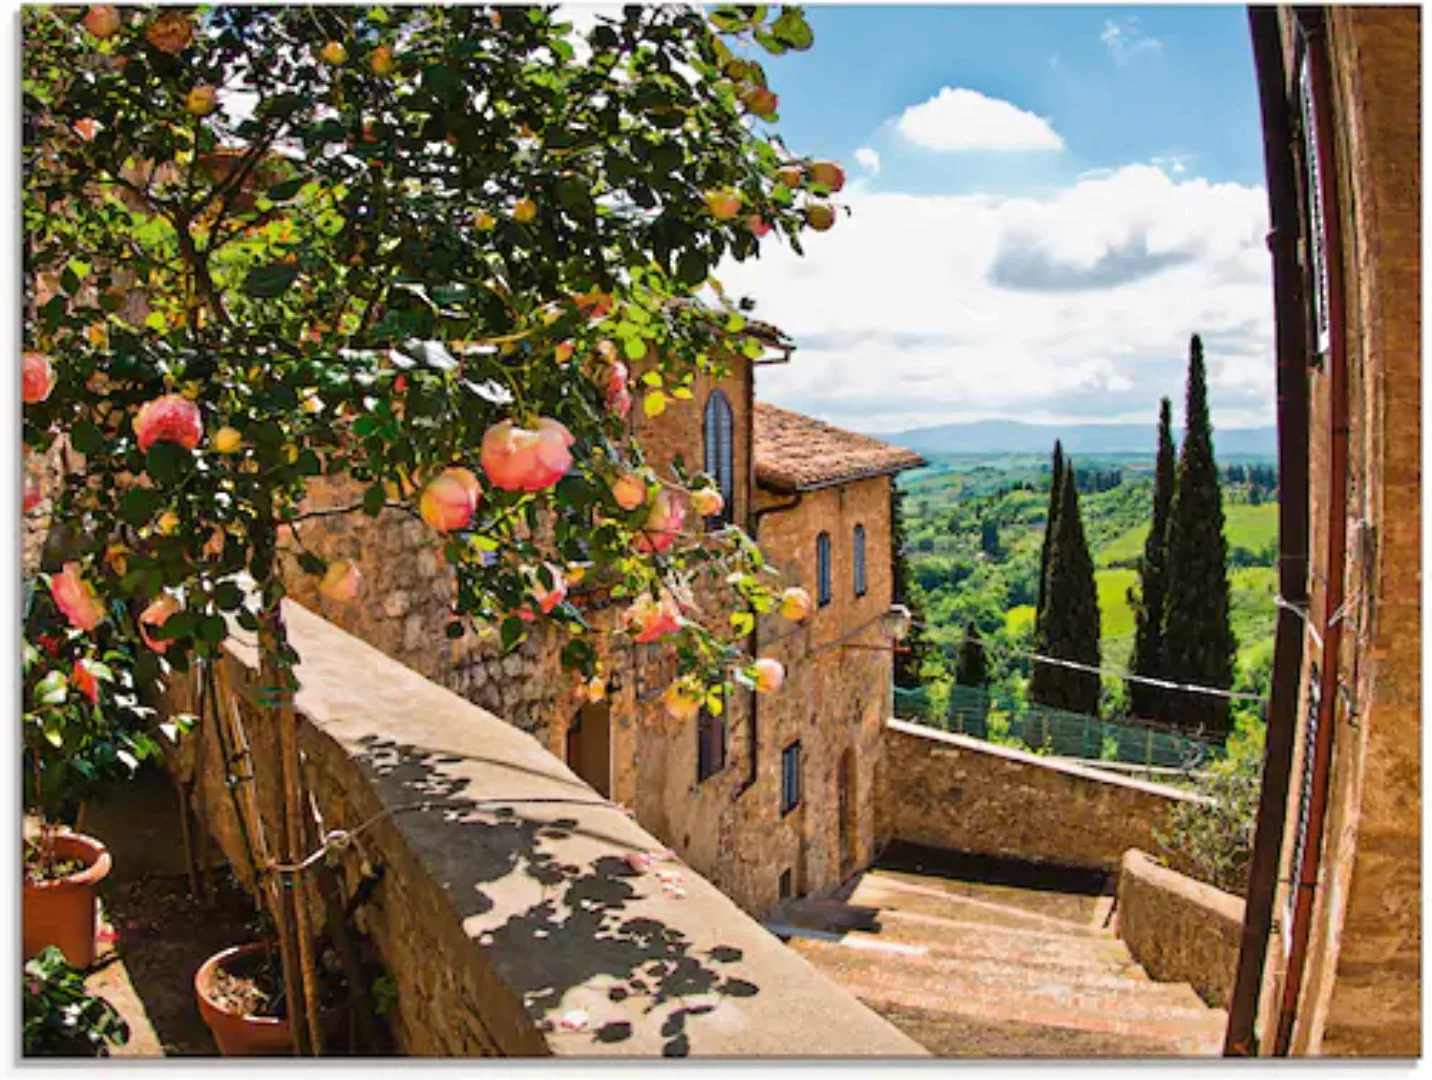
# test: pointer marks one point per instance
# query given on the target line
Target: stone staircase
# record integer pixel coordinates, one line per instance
(978, 964)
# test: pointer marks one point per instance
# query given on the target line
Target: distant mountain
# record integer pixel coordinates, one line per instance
(1012, 437)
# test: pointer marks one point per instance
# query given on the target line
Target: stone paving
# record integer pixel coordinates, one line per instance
(978, 958)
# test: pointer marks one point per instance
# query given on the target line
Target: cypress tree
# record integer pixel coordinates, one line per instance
(1146, 702)
(971, 668)
(916, 646)
(969, 699)
(1198, 644)
(1071, 623)
(1056, 484)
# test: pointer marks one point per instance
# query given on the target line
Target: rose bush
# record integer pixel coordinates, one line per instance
(430, 248)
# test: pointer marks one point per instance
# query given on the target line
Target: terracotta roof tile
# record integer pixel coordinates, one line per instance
(799, 453)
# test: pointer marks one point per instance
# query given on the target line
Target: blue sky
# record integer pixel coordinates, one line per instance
(1178, 82)
(1045, 203)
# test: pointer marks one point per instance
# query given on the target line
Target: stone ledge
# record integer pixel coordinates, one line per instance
(1178, 928)
(964, 794)
(508, 901)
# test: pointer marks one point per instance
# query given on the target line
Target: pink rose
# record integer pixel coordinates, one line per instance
(522, 459)
(156, 615)
(171, 418)
(653, 619)
(76, 598)
(37, 378)
(663, 522)
(341, 580)
(770, 675)
(629, 490)
(448, 503)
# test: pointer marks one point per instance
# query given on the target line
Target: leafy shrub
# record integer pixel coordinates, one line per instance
(61, 1017)
(1214, 842)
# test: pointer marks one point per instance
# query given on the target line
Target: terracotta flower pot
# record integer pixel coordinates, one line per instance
(237, 1034)
(62, 912)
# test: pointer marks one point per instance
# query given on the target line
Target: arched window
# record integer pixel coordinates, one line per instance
(719, 464)
(860, 560)
(822, 569)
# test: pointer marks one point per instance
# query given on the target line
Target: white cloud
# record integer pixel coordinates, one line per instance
(868, 159)
(923, 309)
(962, 119)
(1126, 40)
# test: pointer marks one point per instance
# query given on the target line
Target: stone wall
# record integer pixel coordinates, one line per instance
(964, 794)
(1362, 988)
(506, 899)
(835, 702)
(1180, 929)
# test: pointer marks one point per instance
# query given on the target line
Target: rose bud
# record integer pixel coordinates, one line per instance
(707, 502)
(795, 604)
(340, 581)
(156, 615)
(447, 503)
(770, 674)
(522, 459)
(629, 490)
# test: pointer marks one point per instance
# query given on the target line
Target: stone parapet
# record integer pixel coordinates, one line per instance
(964, 794)
(1180, 929)
(507, 903)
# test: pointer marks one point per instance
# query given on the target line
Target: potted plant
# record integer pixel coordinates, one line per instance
(240, 993)
(83, 724)
(61, 1017)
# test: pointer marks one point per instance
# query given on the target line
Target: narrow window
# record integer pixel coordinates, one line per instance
(785, 885)
(822, 568)
(790, 777)
(1317, 239)
(710, 745)
(860, 560)
(719, 466)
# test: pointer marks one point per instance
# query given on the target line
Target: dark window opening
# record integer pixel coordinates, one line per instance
(720, 465)
(790, 777)
(822, 568)
(785, 885)
(860, 560)
(710, 745)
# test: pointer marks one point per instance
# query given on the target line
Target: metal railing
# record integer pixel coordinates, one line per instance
(1001, 718)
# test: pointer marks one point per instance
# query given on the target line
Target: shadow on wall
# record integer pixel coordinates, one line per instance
(580, 930)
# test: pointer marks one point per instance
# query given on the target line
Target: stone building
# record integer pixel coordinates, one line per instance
(1332, 947)
(774, 797)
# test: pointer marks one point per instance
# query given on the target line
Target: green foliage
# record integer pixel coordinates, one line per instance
(1056, 485)
(365, 273)
(915, 653)
(61, 1017)
(1197, 635)
(1145, 701)
(1068, 626)
(1214, 842)
(973, 668)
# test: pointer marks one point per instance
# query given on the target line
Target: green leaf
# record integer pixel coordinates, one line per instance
(793, 29)
(512, 633)
(86, 437)
(286, 190)
(373, 499)
(634, 347)
(168, 462)
(454, 630)
(228, 596)
(654, 404)
(270, 281)
(139, 505)
(53, 689)
(311, 563)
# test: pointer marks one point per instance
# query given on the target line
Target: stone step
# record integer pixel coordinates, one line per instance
(1084, 910)
(939, 984)
(889, 894)
(994, 964)
(973, 943)
(951, 1035)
